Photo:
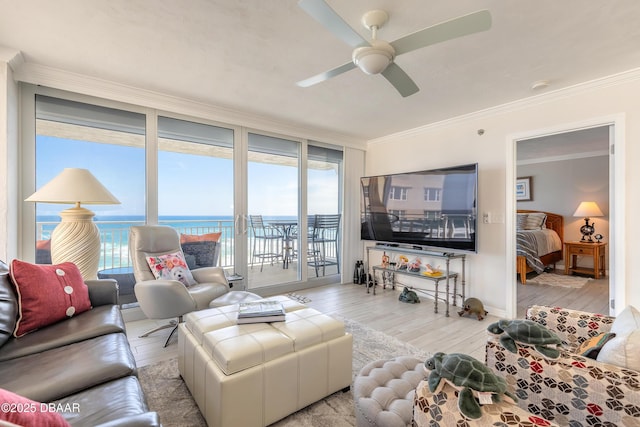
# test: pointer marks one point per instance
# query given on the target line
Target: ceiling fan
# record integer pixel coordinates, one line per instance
(377, 56)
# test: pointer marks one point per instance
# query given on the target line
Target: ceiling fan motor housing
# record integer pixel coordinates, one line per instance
(374, 59)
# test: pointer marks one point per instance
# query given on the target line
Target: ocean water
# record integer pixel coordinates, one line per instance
(114, 233)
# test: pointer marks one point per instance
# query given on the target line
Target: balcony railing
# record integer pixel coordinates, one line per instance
(114, 239)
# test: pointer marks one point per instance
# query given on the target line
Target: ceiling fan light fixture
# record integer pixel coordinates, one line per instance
(373, 59)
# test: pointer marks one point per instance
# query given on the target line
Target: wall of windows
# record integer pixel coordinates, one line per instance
(200, 177)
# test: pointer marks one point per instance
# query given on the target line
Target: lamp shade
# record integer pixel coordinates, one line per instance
(74, 186)
(588, 210)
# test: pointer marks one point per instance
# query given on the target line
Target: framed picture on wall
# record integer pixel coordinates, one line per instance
(523, 189)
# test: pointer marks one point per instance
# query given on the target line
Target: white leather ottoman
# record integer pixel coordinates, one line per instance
(256, 374)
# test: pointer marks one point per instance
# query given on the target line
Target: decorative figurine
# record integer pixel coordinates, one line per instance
(414, 266)
(403, 261)
(385, 260)
(473, 306)
(409, 296)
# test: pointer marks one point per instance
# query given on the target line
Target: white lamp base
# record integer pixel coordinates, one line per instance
(77, 239)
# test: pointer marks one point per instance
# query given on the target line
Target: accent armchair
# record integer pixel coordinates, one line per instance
(163, 298)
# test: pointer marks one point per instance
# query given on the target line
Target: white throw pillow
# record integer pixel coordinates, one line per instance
(624, 349)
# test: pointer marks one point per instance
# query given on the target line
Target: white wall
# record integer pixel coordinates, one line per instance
(457, 141)
(8, 158)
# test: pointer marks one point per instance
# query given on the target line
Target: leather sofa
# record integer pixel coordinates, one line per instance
(83, 366)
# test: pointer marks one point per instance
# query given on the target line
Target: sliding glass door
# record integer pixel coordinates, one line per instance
(273, 205)
(195, 189)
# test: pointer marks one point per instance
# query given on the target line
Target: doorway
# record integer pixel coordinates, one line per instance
(563, 170)
(581, 146)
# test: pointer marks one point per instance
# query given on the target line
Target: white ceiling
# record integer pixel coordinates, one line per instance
(247, 54)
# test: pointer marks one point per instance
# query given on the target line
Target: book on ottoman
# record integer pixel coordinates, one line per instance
(260, 312)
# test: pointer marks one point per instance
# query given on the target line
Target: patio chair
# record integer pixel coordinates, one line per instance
(325, 241)
(266, 241)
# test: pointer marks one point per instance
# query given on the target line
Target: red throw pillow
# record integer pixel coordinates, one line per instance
(47, 294)
(210, 237)
(21, 411)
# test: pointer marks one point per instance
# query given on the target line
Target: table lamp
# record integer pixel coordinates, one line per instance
(76, 238)
(587, 210)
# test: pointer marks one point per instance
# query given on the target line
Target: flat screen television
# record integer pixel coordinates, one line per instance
(432, 209)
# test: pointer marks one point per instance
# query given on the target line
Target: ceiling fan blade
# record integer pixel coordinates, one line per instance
(325, 15)
(400, 80)
(457, 27)
(326, 75)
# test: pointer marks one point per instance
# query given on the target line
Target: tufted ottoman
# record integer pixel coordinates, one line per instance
(256, 374)
(383, 392)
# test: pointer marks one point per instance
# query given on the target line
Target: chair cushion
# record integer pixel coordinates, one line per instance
(624, 349)
(170, 266)
(21, 411)
(47, 294)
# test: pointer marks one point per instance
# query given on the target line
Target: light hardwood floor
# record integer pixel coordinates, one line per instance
(416, 324)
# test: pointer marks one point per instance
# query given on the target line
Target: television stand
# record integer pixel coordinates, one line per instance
(389, 273)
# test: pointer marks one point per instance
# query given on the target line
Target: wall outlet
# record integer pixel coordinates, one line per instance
(486, 218)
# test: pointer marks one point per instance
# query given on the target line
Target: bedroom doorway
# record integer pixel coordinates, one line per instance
(563, 168)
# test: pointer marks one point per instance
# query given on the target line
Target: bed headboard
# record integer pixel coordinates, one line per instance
(554, 221)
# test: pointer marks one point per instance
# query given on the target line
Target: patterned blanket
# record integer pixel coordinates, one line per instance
(527, 247)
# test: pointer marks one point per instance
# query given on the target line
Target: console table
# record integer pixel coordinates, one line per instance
(389, 274)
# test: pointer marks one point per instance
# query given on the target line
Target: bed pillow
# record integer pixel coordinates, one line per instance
(47, 294)
(170, 266)
(624, 349)
(535, 221)
(28, 412)
(521, 221)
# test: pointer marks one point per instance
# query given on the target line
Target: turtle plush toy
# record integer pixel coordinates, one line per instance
(409, 296)
(526, 332)
(470, 377)
(473, 306)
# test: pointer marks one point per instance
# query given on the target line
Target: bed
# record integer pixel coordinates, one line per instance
(537, 249)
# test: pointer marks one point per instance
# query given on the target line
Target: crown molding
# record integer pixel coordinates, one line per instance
(12, 57)
(87, 85)
(572, 156)
(567, 92)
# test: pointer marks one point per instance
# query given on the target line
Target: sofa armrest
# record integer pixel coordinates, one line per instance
(148, 419)
(570, 389)
(103, 292)
(572, 326)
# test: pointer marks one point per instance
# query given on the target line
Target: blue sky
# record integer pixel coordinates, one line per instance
(188, 184)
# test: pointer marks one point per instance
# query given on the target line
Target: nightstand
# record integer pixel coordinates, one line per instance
(572, 250)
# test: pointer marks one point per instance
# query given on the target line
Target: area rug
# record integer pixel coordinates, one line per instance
(561, 280)
(168, 395)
